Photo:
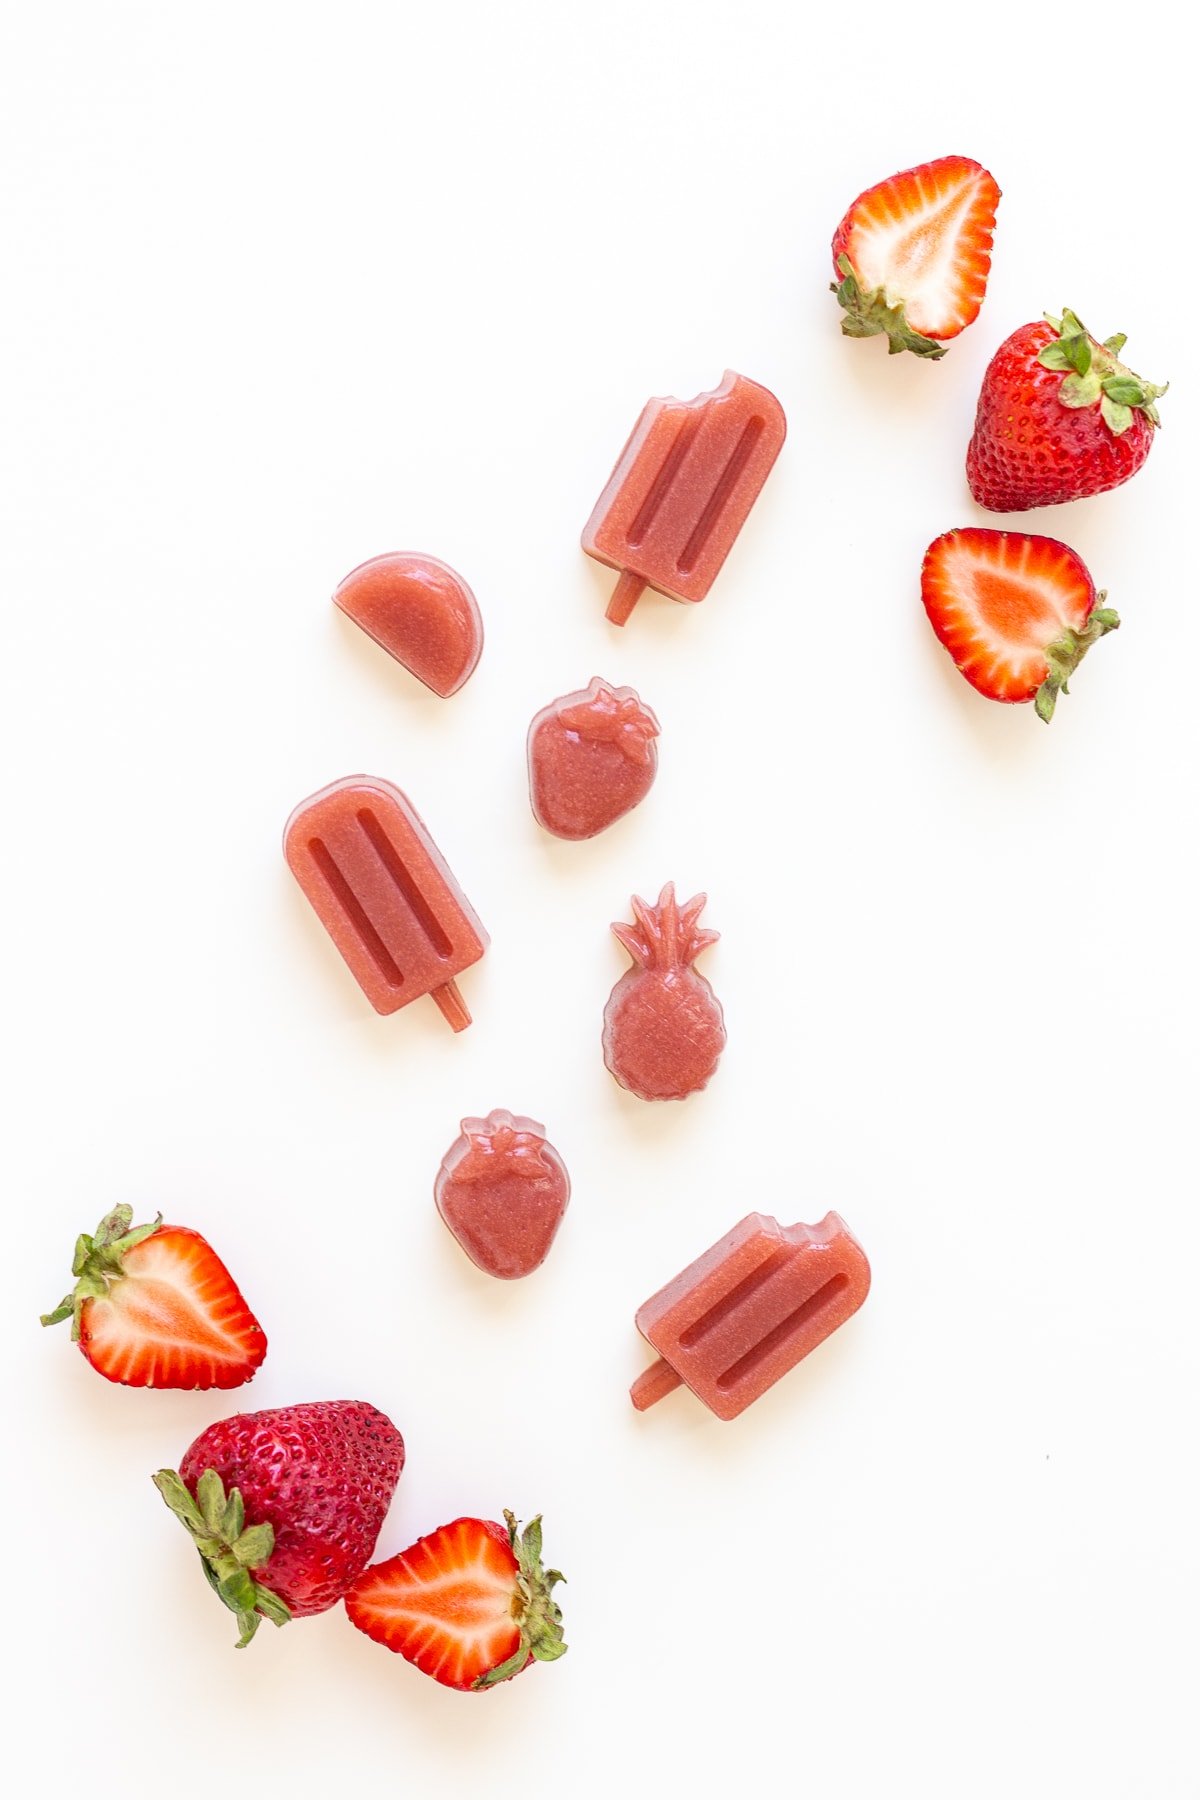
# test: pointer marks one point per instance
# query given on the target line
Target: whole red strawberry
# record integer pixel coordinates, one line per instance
(1059, 418)
(154, 1306)
(470, 1604)
(285, 1506)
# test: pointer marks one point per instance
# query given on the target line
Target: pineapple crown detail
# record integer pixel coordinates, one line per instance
(666, 936)
(503, 1138)
(609, 715)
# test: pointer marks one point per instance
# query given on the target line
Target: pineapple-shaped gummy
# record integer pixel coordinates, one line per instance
(663, 1026)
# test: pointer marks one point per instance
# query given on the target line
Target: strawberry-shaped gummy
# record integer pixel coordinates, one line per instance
(592, 758)
(285, 1506)
(1059, 418)
(663, 1026)
(502, 1190)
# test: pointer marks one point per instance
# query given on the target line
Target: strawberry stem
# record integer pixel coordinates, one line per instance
(537, 1617)
(868, 312)
(97, 1263)
(1092, 375)
(1066, 653)
(229, 1548)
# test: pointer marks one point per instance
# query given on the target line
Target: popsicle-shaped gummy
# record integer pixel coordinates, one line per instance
(379, 886)
(749, 1309)
(682, 489)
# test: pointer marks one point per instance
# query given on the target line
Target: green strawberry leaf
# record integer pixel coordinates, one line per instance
(234, 1517)
(1078, 352)
(1080, 390)
(210, 1498)
(1117, 417)
(253, 1548)
(1125, 390)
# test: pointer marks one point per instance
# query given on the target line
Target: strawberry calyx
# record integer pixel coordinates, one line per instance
(607, 717)
(869, 311)
(1067, 651)
(537, 1617)
(229, 1548)
(499, 1139)
(1093, 374)
(98, 1263)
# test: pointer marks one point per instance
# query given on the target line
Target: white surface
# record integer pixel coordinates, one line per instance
(290, 285)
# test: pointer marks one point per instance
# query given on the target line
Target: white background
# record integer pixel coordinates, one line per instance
(287, 286)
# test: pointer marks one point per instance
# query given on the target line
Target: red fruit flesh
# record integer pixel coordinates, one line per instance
(445, 1604)
(923, 239)
(154, 1306)
(322, 1475)
(470, 1604)
(999, 601)
(1029, 448)
(174, 1320)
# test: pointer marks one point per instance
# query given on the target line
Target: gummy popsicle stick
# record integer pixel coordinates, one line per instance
(749, 1309)
(682, 489)
(380, 887)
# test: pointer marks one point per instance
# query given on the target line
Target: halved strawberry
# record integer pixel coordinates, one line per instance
(154, 1306)
(1018, 614)
(470, 1604)
(913, 255)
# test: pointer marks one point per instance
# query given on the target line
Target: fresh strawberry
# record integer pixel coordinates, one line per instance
(592, 758)
(470, 1604)
(1059, 418)
(913, 255)
(664, 1030)
(285, 1506)
(1017, 614)
(154, 1306)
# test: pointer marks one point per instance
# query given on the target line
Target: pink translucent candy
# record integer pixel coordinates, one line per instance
(378, 884)
(419, 611)
(502, 1189)
(592, 758)
(749, 1309)
(682, 489)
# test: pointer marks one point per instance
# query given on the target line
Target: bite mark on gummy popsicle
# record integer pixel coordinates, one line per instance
(748, 1310)
(682, 489)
